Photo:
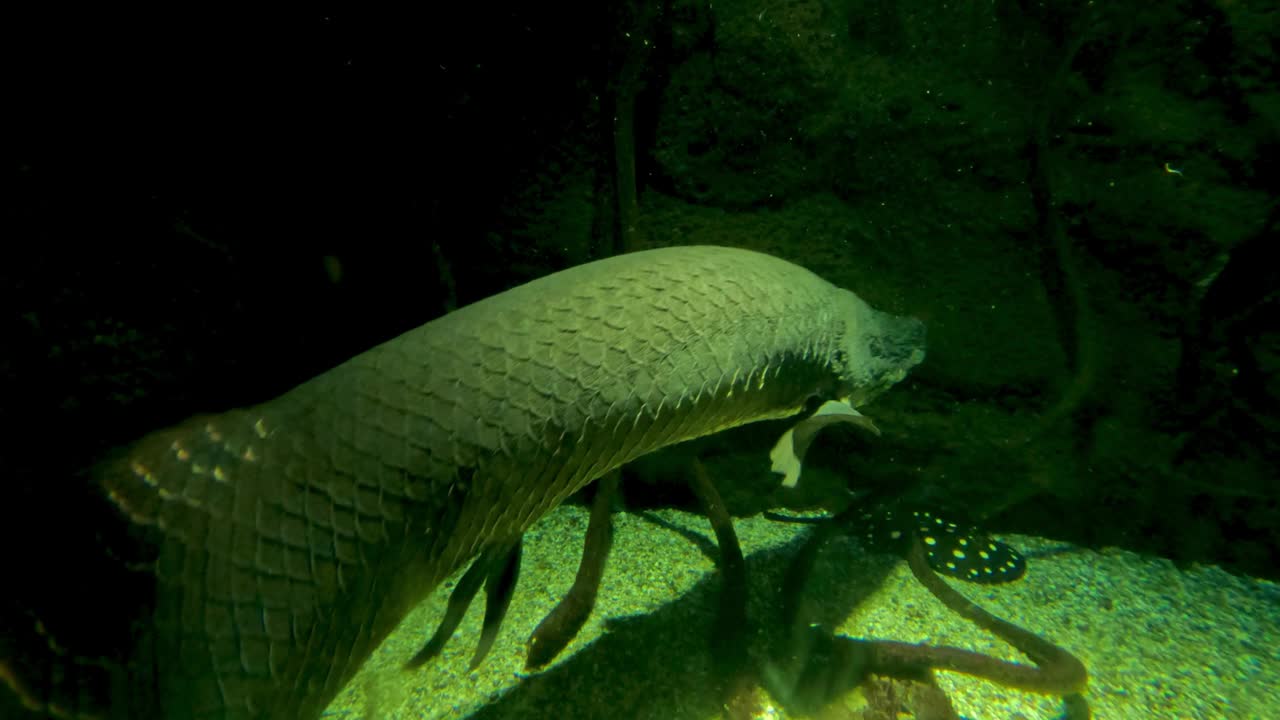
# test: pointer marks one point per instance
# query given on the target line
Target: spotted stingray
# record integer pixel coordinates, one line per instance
(953, 549)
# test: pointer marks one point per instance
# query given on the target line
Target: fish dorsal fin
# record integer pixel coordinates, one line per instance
(788, 453)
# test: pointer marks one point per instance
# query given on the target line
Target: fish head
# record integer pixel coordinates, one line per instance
(877, 349)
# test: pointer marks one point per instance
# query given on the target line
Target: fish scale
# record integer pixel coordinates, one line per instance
(291, 537)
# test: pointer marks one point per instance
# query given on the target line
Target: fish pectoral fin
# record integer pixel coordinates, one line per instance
(788, 454)
(459, 601)
(497, 570)
(499, 587)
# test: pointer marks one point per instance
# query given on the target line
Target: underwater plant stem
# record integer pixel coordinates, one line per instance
(1057, 672)
(795, 618)
(830, 665)
(638, 26)
(564, 621)
(624, 159)
(729, 641)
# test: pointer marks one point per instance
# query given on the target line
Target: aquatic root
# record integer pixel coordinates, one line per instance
(564, 621)
(830, 665)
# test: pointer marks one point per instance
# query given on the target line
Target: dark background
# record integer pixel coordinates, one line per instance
(201, 210)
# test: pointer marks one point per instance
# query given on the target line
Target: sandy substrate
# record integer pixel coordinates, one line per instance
(1159, 642)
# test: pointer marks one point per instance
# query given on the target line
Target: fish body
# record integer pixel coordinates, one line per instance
(289, 538)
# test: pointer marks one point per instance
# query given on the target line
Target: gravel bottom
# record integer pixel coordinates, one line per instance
(1159, 642)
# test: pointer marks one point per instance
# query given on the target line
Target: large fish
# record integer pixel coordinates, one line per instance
(291, 537)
